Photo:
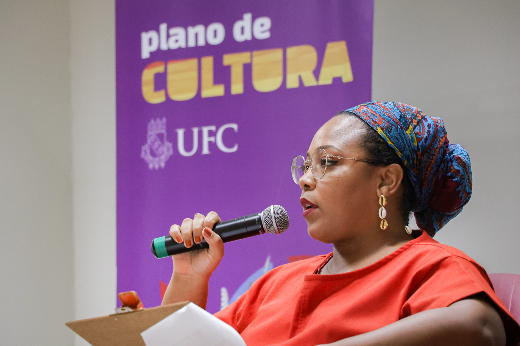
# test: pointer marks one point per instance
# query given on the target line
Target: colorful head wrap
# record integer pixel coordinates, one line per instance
(440, 172)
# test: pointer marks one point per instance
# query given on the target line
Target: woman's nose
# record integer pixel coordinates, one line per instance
(307, 181)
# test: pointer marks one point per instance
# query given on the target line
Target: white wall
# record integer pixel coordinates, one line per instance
(36, 252)
(453, 59)
(460, 60)
(93, 131)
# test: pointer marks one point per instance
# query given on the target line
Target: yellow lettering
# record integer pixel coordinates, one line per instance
(237, 61)
(301, 62)
(336, 63)
(267, 69)
(209, 89)
(183, 79)
(148, 83)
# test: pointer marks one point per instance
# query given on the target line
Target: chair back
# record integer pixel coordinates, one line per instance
(507, 288)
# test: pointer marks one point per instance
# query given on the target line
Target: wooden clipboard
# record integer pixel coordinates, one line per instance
(123, 329)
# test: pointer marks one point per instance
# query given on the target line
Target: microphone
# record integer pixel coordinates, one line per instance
(273, 219)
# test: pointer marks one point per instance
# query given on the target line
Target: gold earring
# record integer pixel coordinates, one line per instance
(382, 212)
(408, 229)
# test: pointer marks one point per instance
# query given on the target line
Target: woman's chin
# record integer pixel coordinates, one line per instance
(319, 235)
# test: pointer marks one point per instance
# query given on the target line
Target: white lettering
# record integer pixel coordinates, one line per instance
(163, 36)
(177, 38)
(206, 139)
(195, 36)
(197, 32)
(261, 28)
(242, 28)
(215, 33)
(180, 141)
(149, 43)
(220, 143)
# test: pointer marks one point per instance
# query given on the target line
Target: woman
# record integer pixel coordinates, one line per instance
(366, 170)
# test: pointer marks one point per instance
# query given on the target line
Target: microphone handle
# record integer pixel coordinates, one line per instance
(239, 228)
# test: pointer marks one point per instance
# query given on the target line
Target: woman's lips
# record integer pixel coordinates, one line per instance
(308, 206)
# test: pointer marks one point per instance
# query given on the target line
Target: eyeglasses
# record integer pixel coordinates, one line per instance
(318, 164)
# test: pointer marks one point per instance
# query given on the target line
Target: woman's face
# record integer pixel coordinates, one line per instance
(344, 203)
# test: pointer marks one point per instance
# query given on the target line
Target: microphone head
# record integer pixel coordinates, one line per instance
(275, 219)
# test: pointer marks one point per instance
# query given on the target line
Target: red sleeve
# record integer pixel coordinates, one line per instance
(229, 314)
(454, 279)
(241, 312)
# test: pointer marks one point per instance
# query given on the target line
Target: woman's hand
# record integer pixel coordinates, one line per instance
(191, 270)
(200, 263)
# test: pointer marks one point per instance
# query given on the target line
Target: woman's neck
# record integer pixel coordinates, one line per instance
(360, 252)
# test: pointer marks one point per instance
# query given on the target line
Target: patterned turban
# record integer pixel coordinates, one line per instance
(440, 172)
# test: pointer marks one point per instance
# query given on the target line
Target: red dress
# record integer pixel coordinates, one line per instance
(292, 305)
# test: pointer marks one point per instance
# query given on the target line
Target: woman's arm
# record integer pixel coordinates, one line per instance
(186, 288)
(192, 270)
(466, 322)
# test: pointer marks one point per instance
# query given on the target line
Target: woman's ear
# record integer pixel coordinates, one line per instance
(391, 177)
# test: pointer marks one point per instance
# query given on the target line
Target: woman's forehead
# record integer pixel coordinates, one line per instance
(343, 132)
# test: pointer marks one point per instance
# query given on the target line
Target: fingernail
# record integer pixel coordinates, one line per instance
(207, 232)
(187, 243)
(198, 239)
(178, 239)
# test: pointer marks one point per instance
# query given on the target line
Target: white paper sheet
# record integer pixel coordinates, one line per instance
(191, 326)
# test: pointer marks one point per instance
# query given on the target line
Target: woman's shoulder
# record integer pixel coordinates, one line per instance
(428, 260)
(425, 246)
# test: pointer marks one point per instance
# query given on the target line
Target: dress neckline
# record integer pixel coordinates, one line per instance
(372, 266)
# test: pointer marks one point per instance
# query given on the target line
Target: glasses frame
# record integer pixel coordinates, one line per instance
(308, 164)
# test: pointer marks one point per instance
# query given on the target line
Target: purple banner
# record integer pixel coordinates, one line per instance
(213, 102)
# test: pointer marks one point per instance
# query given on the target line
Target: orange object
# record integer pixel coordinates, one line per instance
(131, 300)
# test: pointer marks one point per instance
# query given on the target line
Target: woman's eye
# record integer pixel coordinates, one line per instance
(331, 162)
(323, 161)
